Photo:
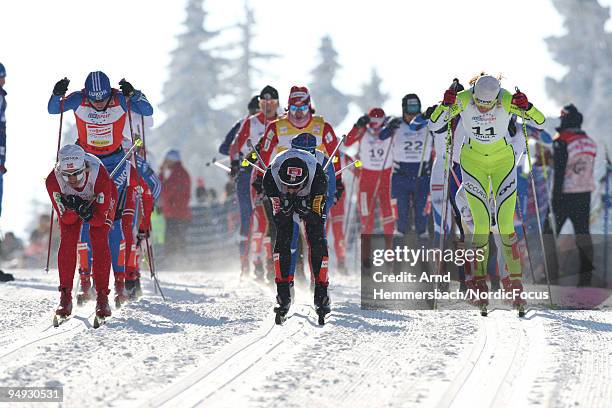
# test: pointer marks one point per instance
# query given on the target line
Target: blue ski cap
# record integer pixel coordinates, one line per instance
(304, 141)
(172, 155)
(2, 71)
(97, 86)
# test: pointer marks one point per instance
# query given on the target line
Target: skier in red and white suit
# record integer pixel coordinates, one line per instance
(77, 179)
(375, 172)
(253, 129)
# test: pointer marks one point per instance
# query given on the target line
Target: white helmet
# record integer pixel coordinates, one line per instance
(485, 91)
(71, 159)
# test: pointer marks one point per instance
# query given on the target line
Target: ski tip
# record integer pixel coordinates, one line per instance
(55, 321)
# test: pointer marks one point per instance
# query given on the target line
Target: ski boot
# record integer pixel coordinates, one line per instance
(259, 270)
(462, 286)
(102, 309)
(120, 295)
(518, 302)
(130, 289)
(244, 271)
(321, 301)
(506, 284)
(479, 287)
(283, 298)
(84, 294)
(64, 309)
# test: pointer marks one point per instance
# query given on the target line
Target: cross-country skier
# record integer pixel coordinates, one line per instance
(296, 186)
(411, 164)
(253, 216)
(2, 130)
(81, 192)
(307, 142)
(101, 114)
(375, 171)
(487, 157)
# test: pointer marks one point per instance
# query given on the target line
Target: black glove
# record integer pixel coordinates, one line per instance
(362, 121)
(126, 88)
(61, 87)
(302, 206)
(429, 111)
(339, 189)
(85, 211)
(258, 184)
(394, 124)
(287, 205)
(235, 168)
(72, 202)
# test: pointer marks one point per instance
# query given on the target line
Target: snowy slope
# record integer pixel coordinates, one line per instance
(215, 344)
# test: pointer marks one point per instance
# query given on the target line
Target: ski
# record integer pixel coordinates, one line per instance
(59, 319)
(521, 310)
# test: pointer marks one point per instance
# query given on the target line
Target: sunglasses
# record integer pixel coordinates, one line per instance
(302, 108)
(79, 174)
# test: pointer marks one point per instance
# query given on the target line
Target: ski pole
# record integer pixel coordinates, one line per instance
(606, 211)
(445, 198)
(356, 163)
(331, 156)
(214, 159)
(221, 166)
(254, 152)
(59, 140)
(152, 267)
(423, 154)
(535, 199)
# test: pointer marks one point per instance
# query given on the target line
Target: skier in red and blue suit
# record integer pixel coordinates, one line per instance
(101, 114)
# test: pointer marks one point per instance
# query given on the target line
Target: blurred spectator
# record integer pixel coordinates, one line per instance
(574, 157)
(11, 248)
(174, 202)
(200, 191)
(35, 253)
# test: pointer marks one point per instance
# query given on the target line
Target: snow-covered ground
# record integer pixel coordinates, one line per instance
(214, 343)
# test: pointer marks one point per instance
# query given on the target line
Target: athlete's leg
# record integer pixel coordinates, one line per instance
(476, 184)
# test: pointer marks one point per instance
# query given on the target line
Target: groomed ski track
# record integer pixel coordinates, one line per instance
(215, 344)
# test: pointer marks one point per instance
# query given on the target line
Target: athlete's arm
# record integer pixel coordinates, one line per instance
(71, 102)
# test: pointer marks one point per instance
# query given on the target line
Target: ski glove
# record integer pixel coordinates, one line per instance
(72, 202)
(126, 88)
(85, 211)
(61, 87)
(429, 111)
(362, 121)
(394, 124)
(520, 100)
(339, 189)
(450, 97)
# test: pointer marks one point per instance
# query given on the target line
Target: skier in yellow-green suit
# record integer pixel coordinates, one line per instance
(488, 166)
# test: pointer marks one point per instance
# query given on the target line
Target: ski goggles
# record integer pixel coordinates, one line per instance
(79, 174)
(376, 122)
(294, 108)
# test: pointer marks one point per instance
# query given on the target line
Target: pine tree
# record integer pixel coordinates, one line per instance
(327, 100)
(584, 50)
(246, 68)
(371, 94)
(194, 124)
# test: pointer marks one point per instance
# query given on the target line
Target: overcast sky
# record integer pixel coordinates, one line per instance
(416, 47)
